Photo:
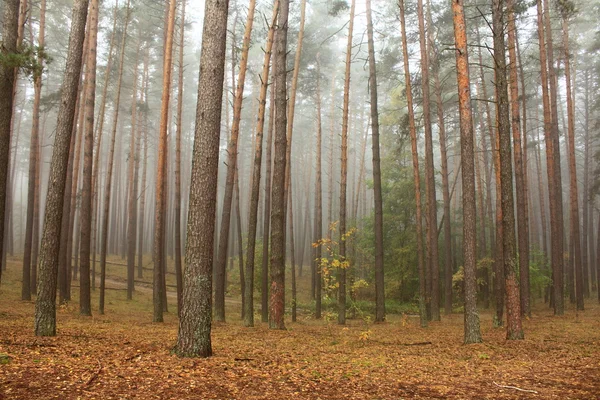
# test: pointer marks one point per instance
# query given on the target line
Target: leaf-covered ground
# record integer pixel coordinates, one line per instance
(121, 355)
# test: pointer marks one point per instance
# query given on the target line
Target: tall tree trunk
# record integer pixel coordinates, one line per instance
(432, 243)
(132, 179)
(110, 162)
(513, 306)
(267, 220)
(45, 306)
(318, 227)
(7, 82)
(522, 214)
(416, 174)
(344, 175)
(33, 163)
(277, 293)
(553, 158)
(193, 338)
(379, 283)
(232, 150)
(574, 197)
(140, 267)
(161, 195)
(497, 244)
(178, 267)
(472, 329)
(85, 303)
(444, 162)
(99, 134)
(255, 178)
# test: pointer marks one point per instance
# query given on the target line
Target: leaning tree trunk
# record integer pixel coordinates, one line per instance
(472, 329)
(45, 306)
(255, 179)
(232, 150)
(277, 293)
(416, 175)
(196, 314)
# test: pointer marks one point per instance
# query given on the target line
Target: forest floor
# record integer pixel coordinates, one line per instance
(122, 355)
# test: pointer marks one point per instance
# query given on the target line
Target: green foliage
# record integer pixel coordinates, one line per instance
(337, 6)
(27, 59)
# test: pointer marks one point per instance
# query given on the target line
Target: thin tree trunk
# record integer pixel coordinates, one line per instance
(33, 164)
(110, 163)
(379, 282)
(553, 158)
(232, 150)
(132, 179)
(432, 243)
(45, 307)
(445, 174)
(344, 175)
(416, 174)
(513, 306)
(574, 200)
(255, 179)
(141, 249)
(318, 211)
(99, 134)
(160, 203)
(267, 221)
(178, 267)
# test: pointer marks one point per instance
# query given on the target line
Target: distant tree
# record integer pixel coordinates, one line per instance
(416, 174)
(34, 155)
(193, 338)
(232, 154)
(110, 163)
(256, 172)
(45, 306)
(552, 153)
(567, 8)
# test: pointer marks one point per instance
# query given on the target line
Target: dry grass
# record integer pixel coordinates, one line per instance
(123, 355)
